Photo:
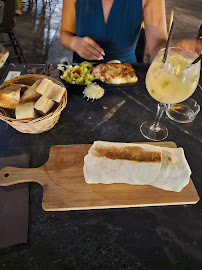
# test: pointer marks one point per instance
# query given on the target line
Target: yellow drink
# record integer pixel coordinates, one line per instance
(173, 81)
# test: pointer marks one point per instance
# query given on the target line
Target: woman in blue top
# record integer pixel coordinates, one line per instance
(109, 29)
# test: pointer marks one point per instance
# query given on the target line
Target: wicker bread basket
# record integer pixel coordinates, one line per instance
(37, 125)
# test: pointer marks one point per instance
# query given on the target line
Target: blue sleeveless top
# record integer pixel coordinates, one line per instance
(118, 37)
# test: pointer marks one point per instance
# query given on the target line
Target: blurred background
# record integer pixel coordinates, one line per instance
(37, 30)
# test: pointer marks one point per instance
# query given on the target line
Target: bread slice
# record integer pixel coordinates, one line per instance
(55, 92)
(25, 111)
(24, 87)
(43, 104)
(10, 97)
(30, 94)
(41, 89)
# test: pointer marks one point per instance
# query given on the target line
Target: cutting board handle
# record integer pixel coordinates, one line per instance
(11, 175)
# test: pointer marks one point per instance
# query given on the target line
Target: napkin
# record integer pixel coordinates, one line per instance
(14, 206)
(53, 72)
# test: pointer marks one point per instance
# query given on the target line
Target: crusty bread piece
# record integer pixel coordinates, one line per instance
(41, 89)
(10, 97)
(55, 92)
(25, 80)
(24, 87)
(43, 104)
(25, 111)
(30, 94)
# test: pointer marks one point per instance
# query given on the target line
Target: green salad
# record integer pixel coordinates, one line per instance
(78, 74)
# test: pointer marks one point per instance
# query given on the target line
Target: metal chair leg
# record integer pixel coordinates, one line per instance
(14, 40)
(14, 46)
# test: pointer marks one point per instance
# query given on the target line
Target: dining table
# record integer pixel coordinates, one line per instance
(153, 237)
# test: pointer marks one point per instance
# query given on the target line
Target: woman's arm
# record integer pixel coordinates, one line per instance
(155, 25)
(68, 24)
(189, 44)
(85, 47)
(156, 29)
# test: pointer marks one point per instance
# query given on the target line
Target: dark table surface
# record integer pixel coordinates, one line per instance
(164, 237)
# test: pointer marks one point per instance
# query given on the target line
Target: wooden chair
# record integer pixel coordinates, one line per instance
(7, 26)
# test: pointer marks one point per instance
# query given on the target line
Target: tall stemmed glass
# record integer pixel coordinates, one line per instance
(171, 82)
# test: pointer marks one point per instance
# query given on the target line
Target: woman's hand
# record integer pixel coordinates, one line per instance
(87, 48)
(189, 44)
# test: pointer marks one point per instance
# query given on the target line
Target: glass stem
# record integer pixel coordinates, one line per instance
(160, 110)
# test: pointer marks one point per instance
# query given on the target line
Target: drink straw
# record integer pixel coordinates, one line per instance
(197, 59)
(168, 42)
(171, 19)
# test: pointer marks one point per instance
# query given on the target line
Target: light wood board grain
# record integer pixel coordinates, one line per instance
(65, 188)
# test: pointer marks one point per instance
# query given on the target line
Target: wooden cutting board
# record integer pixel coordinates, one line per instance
(65, 188)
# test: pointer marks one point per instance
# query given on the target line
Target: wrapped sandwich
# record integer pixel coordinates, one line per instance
(136, 164)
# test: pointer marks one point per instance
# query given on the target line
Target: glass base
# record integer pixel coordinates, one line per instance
(147, 130)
